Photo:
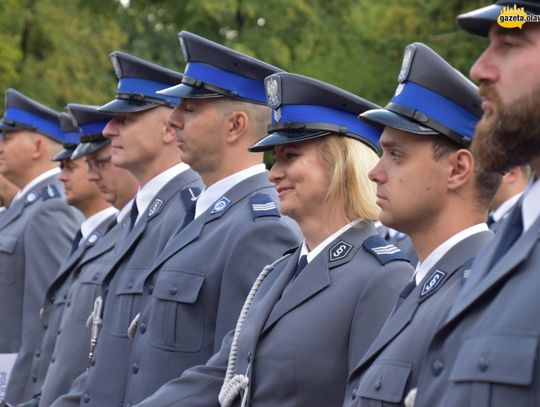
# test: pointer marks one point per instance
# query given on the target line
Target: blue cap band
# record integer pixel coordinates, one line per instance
(71, 137)
(322, 114)
(93, 127)
(437, 107)
(246, 88)
(146, 87)
(49, 127)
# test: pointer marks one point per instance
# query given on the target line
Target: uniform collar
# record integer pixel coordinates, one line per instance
(28, 187)
(215, 191)
(91, 223)
(504, 209)
(147, 193)
(530, 206)
(321, 246)
(425, 266)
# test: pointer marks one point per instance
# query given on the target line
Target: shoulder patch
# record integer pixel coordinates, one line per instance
(220, 205)
(383, 251)
(50, 191)
(93, 238)
(339, 251)
(263, 205)
(432, 283)
(155, 207)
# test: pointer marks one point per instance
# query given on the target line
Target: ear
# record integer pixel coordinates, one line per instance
(169, 135)
(235, 126)
(462, 168)
(39, 145)
(512, 175)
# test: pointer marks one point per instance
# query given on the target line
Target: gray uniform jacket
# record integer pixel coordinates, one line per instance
(133, 257)
(486, 351)
(192, 294)
(72, 345)
(390, 367)
(301, 338)
(36, 234)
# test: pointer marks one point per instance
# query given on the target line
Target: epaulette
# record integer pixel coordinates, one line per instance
(50, 191)
(263, 205)
(383, 251)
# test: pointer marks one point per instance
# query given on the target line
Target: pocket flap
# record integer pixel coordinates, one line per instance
(385, 381)
(94, 273)
(178, 286)
(7, 243)
(507, 359)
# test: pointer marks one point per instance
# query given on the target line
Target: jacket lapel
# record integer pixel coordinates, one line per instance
(485, 275)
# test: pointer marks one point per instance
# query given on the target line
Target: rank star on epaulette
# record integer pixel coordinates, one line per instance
(155, 207)
(340, 250)
(221, 205)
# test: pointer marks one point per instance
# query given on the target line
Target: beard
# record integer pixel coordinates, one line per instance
(507, 136)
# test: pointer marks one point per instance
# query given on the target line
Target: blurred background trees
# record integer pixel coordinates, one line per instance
(57, 52)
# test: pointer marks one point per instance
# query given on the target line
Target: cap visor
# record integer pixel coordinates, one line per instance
(8, 127)
(188, 92)
(62, 155)
(479, 21)
(85, 149)
(125, 106)
(395, 121)
(275, 139)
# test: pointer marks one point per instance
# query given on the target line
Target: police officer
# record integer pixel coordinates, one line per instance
(118, 186)
(291, 343)
(85, 196)
(486, 350)
(37, 230)
(142, 143)
(199, 281)
(428, 187)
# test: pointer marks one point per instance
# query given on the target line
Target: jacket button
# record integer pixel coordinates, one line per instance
(38, 353)
(135, 368)
(45, 325)
(150, 289)
(52, 298)
(143, 327)
(378, 384)
(173, 290)
(86, 398)
(354, 393)
(437, 367)
(53, 359)
(483, 364)
(34, 378)
(59, 331)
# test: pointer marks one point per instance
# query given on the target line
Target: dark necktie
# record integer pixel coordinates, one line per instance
(133, 215)
(76, 242)
(513, 232)
(190, 214)
(490, 220)
(302, 263)
(111, 225)
(405, 293)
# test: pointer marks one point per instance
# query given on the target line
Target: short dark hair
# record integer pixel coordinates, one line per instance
(487, 182)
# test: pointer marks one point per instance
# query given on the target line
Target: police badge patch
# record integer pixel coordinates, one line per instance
(433, 282)
(340, 250)
(273, 91)
(155, 207)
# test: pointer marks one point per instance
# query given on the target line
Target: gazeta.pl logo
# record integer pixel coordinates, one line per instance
(515, 17)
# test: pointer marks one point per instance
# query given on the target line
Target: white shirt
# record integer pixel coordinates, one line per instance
(424, 266)
(122, 213)
(146, 194)
(321, 246)
(91, 223)
(504, 209)
(531, 205)
(28, 187)
(215, 191)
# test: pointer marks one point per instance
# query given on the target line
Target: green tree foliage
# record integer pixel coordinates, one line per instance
(57, 51)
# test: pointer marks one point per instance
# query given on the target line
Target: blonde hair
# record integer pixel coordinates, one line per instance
(349, 162)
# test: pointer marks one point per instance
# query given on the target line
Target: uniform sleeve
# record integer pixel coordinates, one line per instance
(47, 239)
(197, 387)
(374, 306)
(259, 244)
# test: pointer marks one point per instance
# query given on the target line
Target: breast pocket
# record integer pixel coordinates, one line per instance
(86, 289)
(495, 370)
(177, 321)
(7, 260)
(384, 382)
